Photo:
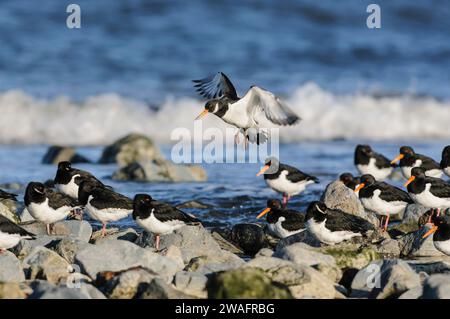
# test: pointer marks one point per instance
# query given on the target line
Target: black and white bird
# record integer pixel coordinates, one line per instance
(445, 161)
(428, 191)
(103, 204)
(369, 162)
(409, 159)
(244, 113)
(282, 222)
(349, 180)
(284, 179)
(6, 195)
(46, 205)
(11, 234)
(159, 218)
(332, 226)
(68, 179)
(381, 198)
(441, 233)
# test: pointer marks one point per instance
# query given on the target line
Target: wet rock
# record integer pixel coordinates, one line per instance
(437, 287)
(303, 281)
(413, 245)
(25, 247)
(43, 263)
(10, 268)
(412, 214)
(158, 289)
(56, 154)
(348, 255)
(302, 254)
(118, 255)
(225, 244)
(80, 230)
(68, 248)
(160, 171)
(246, 283)
(13, 290)
(265, 252)
(191, 283)
(249, 237)
(8, 209)
(193, 204)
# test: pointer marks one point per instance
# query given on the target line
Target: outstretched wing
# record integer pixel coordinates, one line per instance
(274, 109)
(215, 86)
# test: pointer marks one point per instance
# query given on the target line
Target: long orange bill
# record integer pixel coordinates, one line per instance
(409, 180)
(431, 231)
(204, 112)
(265, 211)
(360, 186)
(399, 157)
(263, 170)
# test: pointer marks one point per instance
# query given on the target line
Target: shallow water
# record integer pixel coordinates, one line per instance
(233, 190)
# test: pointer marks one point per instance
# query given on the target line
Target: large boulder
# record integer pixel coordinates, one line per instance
(159, 289)
(249, 237)
(56, 154)
(10, 268)
(43, 263)
(192, 283)
(413, 212)
(14, 290)
(131, 149)
(46, 290)
(80, 230)
(437, 287)
(8, 209)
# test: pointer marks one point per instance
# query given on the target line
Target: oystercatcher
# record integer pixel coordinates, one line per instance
(68, 179)
(441, 231)
(11, 234)
(409, 159)
(349, 180)
(6, 195)
(445, 162)
(369, 162)
(332, 226)
(244, 113)
(46, 205)
(282, 222)
(157, 217)
(285, 179)
(382, 198)
(428, 191)
(103, 204)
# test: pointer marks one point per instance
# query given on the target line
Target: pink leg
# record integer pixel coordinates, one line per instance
(285, 200)
(49, 229)
(2, 250)
(387, 222)
(438, 212)
(157, 239)
(104, 230)
(431, 215)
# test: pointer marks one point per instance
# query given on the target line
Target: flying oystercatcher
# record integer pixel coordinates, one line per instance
(369, 162)
(11, 234)
(409, 159)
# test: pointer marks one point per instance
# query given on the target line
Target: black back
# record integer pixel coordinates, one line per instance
(294, 175)
(363, 154)
(6, 195)
(293, 220)
(388, 193)
(439, 187)
(65, 173)
(410, 158)
(8, 227)
(103, 197)
(38, 193)
(445, 161)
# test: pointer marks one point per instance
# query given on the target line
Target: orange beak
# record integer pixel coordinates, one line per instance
(399, 157)
(265, 211)
(360, 186)
(409, 180)
(431, 231)
(263, 170)
(204, 112)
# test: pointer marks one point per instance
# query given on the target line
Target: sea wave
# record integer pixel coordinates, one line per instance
(103, 118)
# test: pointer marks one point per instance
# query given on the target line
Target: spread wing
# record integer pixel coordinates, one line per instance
(275, 110)
(215, 86)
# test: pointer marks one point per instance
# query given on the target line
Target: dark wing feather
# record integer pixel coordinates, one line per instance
(440, 188)
(391, 193)
(6, 195)
(106, 198)
(295, 175)
(166, 212)
(57, 200)
(7, 226)
(338, 220)
(382, 162)
(294, 220)
(215, 86)
(428, 163)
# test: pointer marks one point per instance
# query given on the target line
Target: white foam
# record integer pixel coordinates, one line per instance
(103, 118)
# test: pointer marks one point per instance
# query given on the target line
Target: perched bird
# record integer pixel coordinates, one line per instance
(409, 159)
(332, 226)
(282, 222)
(6, 195)
(382, 198)
(369, 162)
(46, 205)
(157, 217)
(445, 162)
(441, 231)
(68, 179)
(244, 113)
(11, 234)
(428, 191)
(349, 180)
(103, 204)
(285, 179)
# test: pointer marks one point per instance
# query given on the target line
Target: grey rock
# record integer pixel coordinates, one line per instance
(265, 252)
(214, 263)
(158, 289)
(366, 279)
(14, 290)
(389, 248)
(8, 209)
(43, 263)
(250, 237)
(25, 215)
(128, 234)
(25, 247)
(193, 204)
(56, 154)
(68, 247)
(118, 255)
(413, 212)
(10, 268)
(413, 293)
(191, 283)
(431, 265)
(46, 290)
(437, 287)
(302, 237)
(81, 230)
(225, 244)
(413, 245)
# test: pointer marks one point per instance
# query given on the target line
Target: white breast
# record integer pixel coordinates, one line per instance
(427, 199)
(284, 186)
(443, 246)
(106, 215)
(153, 225)
(9, 240)
(47, 215)
(70, 189)
(237, 114)
(447, 171)
(381, 207)
(377, 173)
(326, 236)
(434, 173)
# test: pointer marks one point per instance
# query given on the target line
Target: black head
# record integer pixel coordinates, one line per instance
(142, 204)
(367, 180)
(87, 188)
(346, 178)
(446, 152)
(364, 149)
(317, 211)
(418, 172)
(212, 106)
(35, 192)
(274, 204)
(407, 151)
(271, 165)
(65, 166)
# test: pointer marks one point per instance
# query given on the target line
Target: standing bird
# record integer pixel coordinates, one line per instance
(409, 159)
(158, 217)
(11, 234)
(445, 162)
(285, 179)
(6, 195)
(282, 222)
(441, 231)
(68, 179)
(428, 191)
(332, 226)
(103, 204)
(369, 162)
(46, 205)
(244, 113)
(382, 198)
(349, 180)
